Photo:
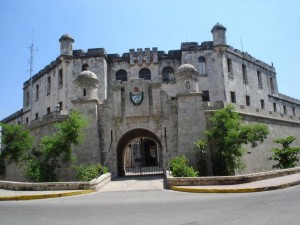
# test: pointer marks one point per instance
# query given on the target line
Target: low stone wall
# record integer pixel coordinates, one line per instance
(43, 186)
(226, 180)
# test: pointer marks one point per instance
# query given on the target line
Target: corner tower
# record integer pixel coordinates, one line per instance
(219, 35)
(66, 44)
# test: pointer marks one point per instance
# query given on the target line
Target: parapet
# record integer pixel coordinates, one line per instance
(147, 56)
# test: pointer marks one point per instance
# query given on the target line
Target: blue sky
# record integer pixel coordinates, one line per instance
(269, 30)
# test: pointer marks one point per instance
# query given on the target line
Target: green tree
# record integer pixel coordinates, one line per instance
(17, 141)
(286, 156)
(55, 149)
(201, 153)
(226, 137)
(41, 162)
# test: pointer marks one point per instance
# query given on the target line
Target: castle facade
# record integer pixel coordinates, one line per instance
(147, 106)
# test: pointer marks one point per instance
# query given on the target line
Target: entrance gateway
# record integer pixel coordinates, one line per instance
(139, 152)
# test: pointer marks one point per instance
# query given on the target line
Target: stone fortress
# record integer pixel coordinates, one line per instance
(147, 106)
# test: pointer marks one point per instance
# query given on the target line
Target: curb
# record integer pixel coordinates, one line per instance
(233, 190)
(44, 196)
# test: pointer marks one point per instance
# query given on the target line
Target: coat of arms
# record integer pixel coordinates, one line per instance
(137, 96)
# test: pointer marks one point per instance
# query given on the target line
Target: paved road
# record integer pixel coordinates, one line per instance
(158, 206)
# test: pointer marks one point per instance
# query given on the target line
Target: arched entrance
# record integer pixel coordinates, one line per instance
(139, 152)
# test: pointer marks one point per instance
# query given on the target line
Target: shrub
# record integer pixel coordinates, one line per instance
(180, 167)
(286, 156)
(87, 172)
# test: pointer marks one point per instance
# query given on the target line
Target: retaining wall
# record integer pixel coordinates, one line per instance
(43, 186)
(226, 180)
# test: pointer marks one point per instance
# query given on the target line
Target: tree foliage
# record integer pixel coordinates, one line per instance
(54, 149)
(42, 161)
(226, 137)
(286, 156)
(201, 153)
(16, 142)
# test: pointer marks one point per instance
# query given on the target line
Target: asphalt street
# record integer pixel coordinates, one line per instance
(158, 206)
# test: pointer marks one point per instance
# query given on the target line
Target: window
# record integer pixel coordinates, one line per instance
(145, 74)
(248, 100)
(168, 74)
(84, 67)
(48, 85)
(60, 78)
(27, 120)
(27, 97)
(84, 92)
(284, 109)
(294, 112)
(245, 77)
(262, 104)
(232, 97)
(37, 90)
(229, 66)
(48, 110)
(274, 107)
(202, 66)
(259, 80)
(36, 116)
(60, 106)
(205, 96)
(272, 85)
(121, 75)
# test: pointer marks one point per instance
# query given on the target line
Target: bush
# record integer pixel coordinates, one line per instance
(87, 172)
(286, 156)
(180, 167)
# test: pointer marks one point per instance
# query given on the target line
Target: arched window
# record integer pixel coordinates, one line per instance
(121, 75)
(202, 66)
(145, 74)
(168, 74)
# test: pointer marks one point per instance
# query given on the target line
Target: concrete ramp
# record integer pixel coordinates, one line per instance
(134, 183)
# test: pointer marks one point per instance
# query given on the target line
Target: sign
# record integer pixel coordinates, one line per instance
(137, 96)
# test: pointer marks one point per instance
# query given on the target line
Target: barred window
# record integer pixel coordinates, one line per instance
(202, 66)
(121, 75)
(168, 74)
(145, 74)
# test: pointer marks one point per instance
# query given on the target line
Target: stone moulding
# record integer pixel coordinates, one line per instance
(94, 184)
(227, 180)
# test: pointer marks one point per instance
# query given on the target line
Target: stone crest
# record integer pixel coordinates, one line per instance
(137, 96)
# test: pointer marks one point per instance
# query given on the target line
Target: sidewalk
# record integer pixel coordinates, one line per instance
(6, 195)
(257, 186)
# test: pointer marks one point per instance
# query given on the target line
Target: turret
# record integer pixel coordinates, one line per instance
(219, 35)
(187, 79)
(88, 84)
(66, 45)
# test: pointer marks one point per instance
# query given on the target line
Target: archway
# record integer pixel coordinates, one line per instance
(139, 152)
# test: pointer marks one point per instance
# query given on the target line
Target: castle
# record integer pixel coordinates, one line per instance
(147, 106)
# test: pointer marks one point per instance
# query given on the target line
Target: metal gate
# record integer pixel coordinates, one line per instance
(142, 156)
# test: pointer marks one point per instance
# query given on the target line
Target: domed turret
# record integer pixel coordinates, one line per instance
(87, 83)
(219, 35)
(187, 78)
(66, 44)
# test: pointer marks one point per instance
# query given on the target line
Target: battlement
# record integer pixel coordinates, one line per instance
(247, 56)
(91, 52)
(194, 46)
(248, 110)
(147, 56)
